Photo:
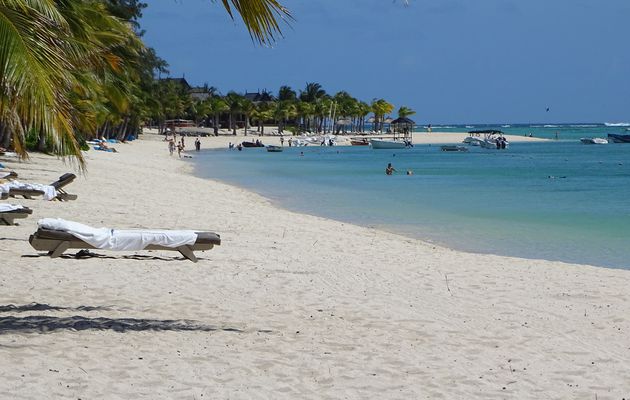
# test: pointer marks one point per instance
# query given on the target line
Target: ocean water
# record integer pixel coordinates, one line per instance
(558, 200)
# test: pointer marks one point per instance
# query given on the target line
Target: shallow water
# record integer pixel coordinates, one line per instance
(555, 200)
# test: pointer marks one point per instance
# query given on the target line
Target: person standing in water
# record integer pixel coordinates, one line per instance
(390, 169)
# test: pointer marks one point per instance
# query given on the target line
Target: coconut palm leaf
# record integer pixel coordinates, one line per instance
(260, 17)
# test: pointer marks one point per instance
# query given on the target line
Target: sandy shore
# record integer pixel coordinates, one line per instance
(225, 138)
(290, 306)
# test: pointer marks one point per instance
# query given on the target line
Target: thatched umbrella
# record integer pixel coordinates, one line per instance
(403, 124)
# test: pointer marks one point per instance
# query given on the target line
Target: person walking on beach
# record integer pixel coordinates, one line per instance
(390, 169)
(180, 147)
(197, 144)
(171, 146)
(281, 141)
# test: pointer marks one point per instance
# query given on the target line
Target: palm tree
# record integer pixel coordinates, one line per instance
(286, 94)
(283, 112)
(63, 63)
(233, 101)
(264, 111)
(312, 92)
(247, 107)
(404, 112)
(380, 108)
(215, 106)
(363, 109)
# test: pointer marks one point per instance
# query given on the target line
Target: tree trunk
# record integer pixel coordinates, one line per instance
(5, 136)
(41, 143)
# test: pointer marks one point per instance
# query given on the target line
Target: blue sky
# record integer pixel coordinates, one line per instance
(453, 61)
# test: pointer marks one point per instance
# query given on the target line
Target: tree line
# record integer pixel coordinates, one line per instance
(307, 110)
(72, 69)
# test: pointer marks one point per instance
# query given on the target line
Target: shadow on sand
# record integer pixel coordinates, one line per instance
(46, 323)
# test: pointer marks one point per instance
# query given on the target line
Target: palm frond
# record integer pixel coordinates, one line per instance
(260, 17)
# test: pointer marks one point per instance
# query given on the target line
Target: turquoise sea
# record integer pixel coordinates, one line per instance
(557, 200)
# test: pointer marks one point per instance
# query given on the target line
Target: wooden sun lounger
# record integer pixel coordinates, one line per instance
(59, 184)
(26, 193)
(11, 175)
(63, 181)
(56, 242)
(8, 217)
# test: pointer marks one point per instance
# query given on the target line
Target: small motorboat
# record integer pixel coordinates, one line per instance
(594, 140)
(453, 148)
(257, 143)
(274, 149)
(359, 142)
(618, 138)
(388, 144)
(472, 141)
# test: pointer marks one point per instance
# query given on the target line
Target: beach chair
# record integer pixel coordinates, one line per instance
(57, 241)
(8, 216)
(4, 195)
(59, 184)
(8, 175)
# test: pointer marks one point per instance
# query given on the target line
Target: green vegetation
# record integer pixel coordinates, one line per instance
(72, 70)
(75, 69)
(309, 110)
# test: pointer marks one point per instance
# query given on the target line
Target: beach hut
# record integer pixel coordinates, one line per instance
(403, 126)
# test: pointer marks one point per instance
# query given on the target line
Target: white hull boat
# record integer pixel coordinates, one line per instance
(473, 141)
(594, 140)
(492, 144)
(387, 144)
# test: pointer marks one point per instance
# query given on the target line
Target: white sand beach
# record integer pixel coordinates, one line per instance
(290, 306)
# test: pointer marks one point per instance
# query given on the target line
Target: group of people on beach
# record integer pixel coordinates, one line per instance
(174, 144)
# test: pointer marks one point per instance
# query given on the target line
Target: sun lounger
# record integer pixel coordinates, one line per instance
(8, 175)
(56, 236)
(59, 184)
(53, 191)
(11, 212)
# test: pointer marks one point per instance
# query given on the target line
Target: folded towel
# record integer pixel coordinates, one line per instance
(5, 207)
(120, 239)
(49, 191)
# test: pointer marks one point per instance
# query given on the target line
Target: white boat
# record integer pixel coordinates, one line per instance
(492, 139)
(494, 143)
(594, 140)
(388, 144)
(472, 141)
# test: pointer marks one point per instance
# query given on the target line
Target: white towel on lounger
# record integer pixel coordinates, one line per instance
(120, 239)
(6, 207)
(49, 191)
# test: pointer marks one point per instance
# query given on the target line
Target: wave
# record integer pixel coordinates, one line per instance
(617, 123)
(584, 126)
(469, 126)
(506, 126)
(550, 126)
